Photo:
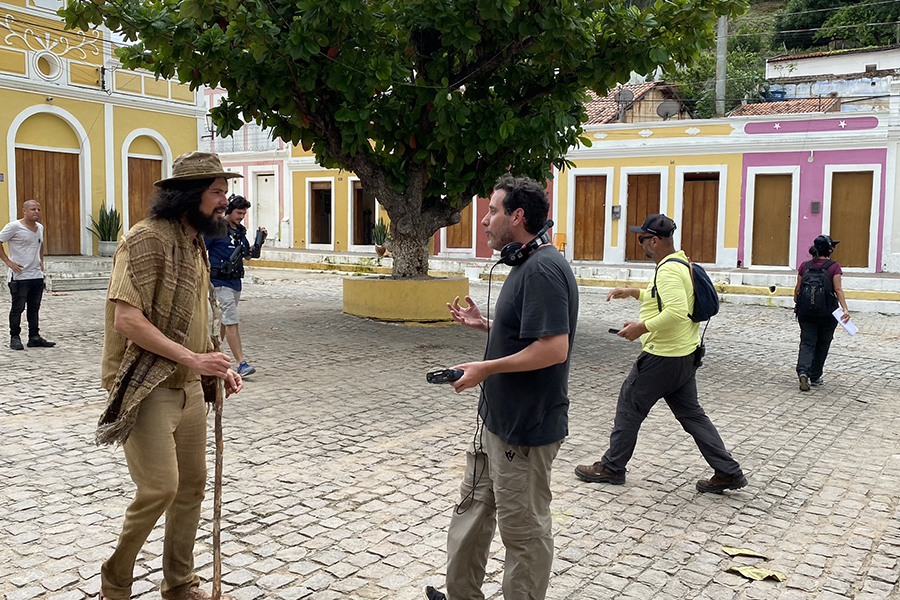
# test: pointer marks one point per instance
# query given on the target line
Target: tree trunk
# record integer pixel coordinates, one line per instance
(410, 254)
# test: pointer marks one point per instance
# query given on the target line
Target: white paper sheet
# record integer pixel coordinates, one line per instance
(849, 327)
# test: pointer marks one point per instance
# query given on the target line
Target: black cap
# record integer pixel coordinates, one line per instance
(824, 244)
(659, 225)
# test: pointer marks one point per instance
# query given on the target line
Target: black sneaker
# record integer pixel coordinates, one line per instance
(15, 342)
(804, 383)
(433, 594)
(816, 382)
(39, 342)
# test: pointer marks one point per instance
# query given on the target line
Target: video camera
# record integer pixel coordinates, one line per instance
(233, 268)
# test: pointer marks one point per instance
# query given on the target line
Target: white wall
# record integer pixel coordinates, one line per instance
(847, 63)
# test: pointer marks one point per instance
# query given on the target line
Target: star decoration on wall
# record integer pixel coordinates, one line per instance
(777, 126)
(842, 124)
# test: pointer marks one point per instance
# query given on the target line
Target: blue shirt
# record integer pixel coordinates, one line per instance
(220, 251)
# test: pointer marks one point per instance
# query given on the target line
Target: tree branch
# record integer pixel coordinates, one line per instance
(513, 49)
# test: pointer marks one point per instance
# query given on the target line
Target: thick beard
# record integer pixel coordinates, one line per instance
(212, 226)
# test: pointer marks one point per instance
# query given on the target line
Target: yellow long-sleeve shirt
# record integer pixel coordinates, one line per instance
(670, 332)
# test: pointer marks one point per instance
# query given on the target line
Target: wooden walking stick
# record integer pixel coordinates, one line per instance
(217, 502)
(215, 329)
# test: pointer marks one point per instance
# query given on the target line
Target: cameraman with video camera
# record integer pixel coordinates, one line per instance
(226, 261)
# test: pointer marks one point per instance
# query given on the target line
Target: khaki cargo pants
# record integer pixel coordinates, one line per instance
(511, 487)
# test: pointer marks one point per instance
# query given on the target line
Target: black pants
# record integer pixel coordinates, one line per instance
(673, 378)
(815, 341)
(25, 292)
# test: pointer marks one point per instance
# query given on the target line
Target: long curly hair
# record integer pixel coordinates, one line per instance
(175, 198)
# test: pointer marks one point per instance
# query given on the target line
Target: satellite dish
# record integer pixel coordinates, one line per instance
(668, 109)
(624, 96)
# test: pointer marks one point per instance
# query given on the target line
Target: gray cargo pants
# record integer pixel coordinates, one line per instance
(673, 378)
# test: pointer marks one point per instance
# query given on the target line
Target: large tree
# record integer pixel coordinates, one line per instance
(427, 101)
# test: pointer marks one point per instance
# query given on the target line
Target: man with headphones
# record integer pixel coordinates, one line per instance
(524, 402)
(226, 269)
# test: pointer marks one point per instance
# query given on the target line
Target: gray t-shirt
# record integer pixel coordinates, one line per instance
(539, 299)
(24, 249)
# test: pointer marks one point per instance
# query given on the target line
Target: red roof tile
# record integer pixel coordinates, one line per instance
(606, 109)
(786, 107)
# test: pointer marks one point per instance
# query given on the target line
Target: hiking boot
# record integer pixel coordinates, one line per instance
(244, 369)
(15, 342)
(195, 593)
(816, 382)
(433, 594)
(717, 485)
(39, 342)
(597, 473)
(804, 383)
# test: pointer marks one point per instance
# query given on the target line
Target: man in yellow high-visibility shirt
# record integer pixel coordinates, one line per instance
(666, 367)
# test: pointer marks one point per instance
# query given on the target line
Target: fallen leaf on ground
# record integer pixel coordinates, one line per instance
(742, 552)
(757, 573)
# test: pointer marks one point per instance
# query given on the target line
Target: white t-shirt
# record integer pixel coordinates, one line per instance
(24, 248)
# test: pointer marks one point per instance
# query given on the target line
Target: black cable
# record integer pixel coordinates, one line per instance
(479, 422)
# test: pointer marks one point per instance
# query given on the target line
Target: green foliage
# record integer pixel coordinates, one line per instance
(844, 24)
(803, 14)
(428, 102)
(380, 232)
(745, 77)
(850, 34)
(109, 225)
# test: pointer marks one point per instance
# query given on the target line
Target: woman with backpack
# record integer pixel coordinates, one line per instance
(816, 296)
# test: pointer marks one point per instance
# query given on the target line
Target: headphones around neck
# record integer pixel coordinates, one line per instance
(515, 253)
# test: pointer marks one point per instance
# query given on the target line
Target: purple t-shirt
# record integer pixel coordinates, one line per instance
(833, 270)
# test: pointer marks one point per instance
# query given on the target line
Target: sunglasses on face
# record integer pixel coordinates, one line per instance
(644, 238)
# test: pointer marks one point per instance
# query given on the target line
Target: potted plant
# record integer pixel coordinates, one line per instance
(107, 229)
(380, 236)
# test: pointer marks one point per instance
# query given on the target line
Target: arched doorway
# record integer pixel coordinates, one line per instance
(145, 167)
(48, 169)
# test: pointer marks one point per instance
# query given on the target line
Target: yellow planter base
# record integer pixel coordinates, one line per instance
(416, 300)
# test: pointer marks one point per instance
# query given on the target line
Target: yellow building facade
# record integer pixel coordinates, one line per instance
(80, 131)
(623, 177)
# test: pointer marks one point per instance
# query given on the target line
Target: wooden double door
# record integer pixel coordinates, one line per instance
(700, 216)
(590, 214)
(851, 214)
(460, 234)
(142, 174)
(53, 179)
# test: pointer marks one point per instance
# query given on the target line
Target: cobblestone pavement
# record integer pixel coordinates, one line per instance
(343, 464)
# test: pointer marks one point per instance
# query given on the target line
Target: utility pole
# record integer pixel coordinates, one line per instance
(721, 52)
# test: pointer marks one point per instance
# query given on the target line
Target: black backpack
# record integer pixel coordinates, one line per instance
(816, 297)
(706, 299)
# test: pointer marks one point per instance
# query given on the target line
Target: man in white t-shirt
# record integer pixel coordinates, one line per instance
(25, 239)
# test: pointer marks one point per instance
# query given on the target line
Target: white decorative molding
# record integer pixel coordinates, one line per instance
(601, 136)
(692, 131)
(60, 46)
(645, 133)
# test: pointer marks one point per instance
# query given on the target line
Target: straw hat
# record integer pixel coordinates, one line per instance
(197, 165)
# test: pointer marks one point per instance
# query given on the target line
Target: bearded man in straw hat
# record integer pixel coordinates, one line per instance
(159, 365)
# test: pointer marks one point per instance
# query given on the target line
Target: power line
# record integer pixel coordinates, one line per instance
(815, 10)
(811, 29)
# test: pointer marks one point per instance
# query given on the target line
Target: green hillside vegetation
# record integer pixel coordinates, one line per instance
(768, 29)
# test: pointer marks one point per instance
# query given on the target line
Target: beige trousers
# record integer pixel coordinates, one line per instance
(511, 487)
(166, 456)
